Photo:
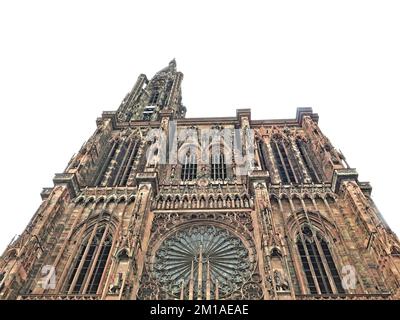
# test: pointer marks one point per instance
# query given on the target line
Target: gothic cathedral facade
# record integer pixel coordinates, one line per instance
(115, 225)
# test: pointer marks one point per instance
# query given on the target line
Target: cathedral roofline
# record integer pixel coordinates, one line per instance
(300, 113)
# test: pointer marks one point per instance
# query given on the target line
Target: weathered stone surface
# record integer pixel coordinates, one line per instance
(299, 226)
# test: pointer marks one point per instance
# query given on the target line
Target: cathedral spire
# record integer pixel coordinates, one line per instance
(172, 64)
(116, 227)
(148, 98)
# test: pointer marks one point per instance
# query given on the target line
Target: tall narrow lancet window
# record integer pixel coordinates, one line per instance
(126, 163)
(116, 167)
(332, 267)
(90, 262)
(118, 163)
(283, 164)
(189, 167)
(262, 154)
(218, 166)
(301, 145)
(102, 173)
(317, 262)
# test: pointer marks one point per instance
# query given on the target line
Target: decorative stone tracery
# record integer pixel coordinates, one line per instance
(230, 236)
(202, 255)
(205, 257)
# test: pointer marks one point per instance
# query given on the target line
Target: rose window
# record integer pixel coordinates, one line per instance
(202, 261)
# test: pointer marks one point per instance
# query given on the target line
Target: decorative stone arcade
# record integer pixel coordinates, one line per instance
(119, 225)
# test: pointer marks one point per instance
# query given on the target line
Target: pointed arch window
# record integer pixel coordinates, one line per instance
(118, 164)
(282, 161)
(189, 167)
(89, 265)
(301, 145)
(104, 167)
(126, 163)
(317, 262)
(262, 154)
(218, 166)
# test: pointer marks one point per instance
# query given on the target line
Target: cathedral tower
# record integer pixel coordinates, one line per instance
(159, 206)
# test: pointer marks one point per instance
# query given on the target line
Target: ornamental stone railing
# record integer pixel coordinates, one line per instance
(59, 297)
(372, 296)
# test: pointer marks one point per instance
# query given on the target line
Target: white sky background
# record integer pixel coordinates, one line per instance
(63, 63)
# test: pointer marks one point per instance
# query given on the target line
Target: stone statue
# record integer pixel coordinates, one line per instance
(281, 284)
